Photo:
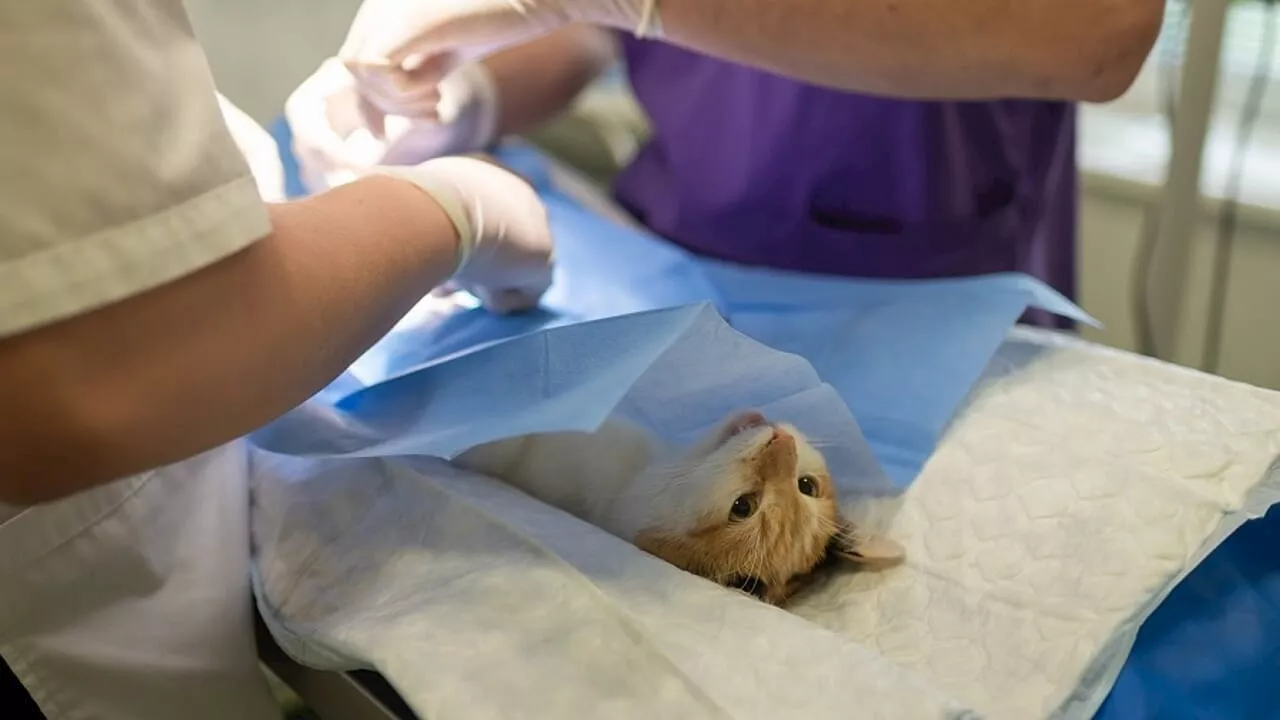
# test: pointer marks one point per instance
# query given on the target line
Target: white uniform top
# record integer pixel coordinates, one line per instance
(118, 174)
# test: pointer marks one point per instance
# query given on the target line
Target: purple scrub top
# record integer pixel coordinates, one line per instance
(758, 169)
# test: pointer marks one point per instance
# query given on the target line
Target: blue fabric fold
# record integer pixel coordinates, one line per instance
(900, 355)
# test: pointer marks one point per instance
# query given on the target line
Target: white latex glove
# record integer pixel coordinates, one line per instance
(333, 145)
(399, 50)
(505, 249)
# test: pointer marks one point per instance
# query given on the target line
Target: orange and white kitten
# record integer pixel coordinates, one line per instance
(750, 506)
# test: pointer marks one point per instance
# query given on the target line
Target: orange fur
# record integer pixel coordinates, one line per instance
(784, 540)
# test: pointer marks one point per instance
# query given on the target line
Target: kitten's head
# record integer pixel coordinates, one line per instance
(753, 506)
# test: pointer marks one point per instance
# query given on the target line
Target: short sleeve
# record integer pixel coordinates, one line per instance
(117, 171)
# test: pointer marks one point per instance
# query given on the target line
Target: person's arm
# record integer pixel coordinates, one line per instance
(195, 363)
(1087, 50)
(538, 80)
(151, 305)
(922, 49)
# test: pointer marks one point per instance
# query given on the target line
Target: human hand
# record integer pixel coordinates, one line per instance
(505, 247)
(399, 50)
(333, 145)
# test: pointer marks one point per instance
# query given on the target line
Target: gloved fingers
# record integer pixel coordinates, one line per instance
(388, 88)
(322, 115)
(374, 108)
(423, 105)
(307, 108)
(375, 121)
(419, 69)
(507, 298)
(410, 89)
(419, 88)
(509, 301)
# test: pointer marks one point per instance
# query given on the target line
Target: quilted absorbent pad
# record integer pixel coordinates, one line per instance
(1070, 495)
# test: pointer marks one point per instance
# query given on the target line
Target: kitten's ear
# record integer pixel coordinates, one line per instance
(867, 550)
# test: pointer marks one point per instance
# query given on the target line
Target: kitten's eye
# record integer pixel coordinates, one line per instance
(808, 485)
(742, 507)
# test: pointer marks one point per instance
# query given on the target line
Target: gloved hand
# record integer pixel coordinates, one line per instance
(505, 250)
(399, 50)
(333, 145)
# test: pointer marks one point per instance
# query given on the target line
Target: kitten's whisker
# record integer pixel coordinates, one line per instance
(827, 522)
(820, 444)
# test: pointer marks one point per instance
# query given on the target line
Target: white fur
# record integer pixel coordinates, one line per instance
(623, 480)
(584, 474)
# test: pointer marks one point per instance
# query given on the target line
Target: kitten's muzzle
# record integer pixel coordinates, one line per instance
(776, 459)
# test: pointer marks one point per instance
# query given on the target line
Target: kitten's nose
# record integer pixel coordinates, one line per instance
(777, 461)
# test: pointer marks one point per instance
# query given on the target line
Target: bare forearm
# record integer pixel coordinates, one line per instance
(196, 363)
(538, 80)
(973, 49)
